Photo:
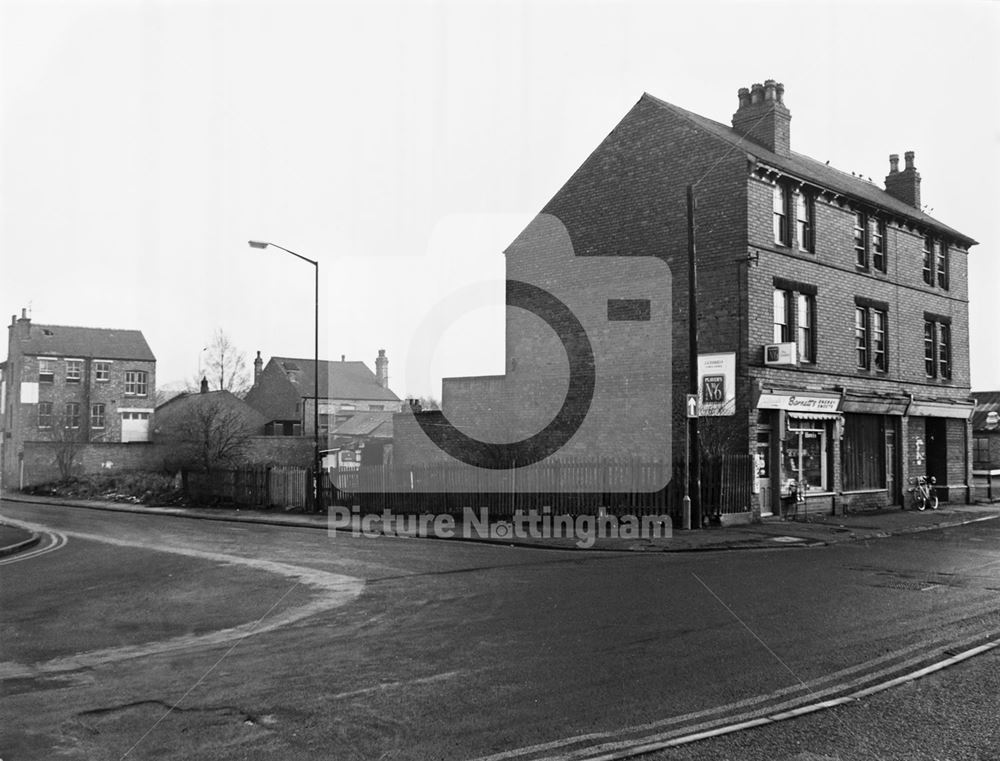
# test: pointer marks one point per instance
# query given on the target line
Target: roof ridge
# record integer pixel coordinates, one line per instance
(81, 327)
(731, 136)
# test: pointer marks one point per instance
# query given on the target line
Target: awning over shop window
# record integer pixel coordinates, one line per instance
(940, 409)
(814, 415)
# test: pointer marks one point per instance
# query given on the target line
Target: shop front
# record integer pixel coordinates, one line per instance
(796, 446)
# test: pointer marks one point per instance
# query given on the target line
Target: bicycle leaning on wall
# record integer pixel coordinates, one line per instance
(922, 493)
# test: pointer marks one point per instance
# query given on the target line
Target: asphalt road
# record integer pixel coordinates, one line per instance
(132, 636)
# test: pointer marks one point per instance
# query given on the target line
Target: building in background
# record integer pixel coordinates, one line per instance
(832, 312)
(283, 391)
(986, 431)
(63, 383)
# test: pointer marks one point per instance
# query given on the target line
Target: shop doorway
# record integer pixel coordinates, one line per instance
(893, 464)
(937, 449)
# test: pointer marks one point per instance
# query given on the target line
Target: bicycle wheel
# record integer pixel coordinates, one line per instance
(919, 502)
(933, 503)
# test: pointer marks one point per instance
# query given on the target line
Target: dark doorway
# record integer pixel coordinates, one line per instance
(893, 464)
(937, 449)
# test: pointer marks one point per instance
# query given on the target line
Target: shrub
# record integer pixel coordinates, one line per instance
(136, 487)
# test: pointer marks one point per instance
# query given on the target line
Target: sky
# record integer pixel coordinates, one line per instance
(404, 145)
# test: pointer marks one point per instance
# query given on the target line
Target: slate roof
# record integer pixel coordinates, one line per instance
(816, 172)
(986, 402)
(337, 380)
(97, 343)
(377, 424)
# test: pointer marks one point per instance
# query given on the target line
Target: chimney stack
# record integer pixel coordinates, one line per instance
(23, 325)
(258, 368)
(763, 118)
(382, 369)
(903, 185)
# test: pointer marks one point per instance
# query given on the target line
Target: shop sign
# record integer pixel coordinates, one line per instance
(717, 384)
(798, 403)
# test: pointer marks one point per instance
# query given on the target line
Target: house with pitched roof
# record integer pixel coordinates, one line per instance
(284, 392)
(828, 331)
(91, 384)
(986, 431)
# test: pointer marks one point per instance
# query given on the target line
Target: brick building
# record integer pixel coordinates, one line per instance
(832, 313)
(986, 431)
(284, 392)
(94, 384)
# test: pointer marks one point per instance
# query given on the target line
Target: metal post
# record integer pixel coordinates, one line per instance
(695, 473)
(316, 458)
(686, 503)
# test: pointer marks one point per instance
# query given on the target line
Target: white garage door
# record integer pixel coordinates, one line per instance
(135, 426)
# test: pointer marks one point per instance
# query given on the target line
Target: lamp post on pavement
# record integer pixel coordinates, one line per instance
(316, 460)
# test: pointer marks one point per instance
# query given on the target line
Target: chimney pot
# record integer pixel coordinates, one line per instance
(744, 96)
(382, 369)
(893, 163)
(908, 157)
(765, 120)
(24, 313)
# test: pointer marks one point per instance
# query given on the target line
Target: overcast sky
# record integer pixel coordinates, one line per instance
(404, 145)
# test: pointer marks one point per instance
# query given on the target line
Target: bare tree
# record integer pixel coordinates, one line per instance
(226, 366)
(722, 434)
(208, 434)
(67, 440)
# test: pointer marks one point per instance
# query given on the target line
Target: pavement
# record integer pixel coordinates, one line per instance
(813, 530)
(14, 539)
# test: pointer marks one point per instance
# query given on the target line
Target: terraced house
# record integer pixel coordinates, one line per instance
(832, 312)
(65, 383)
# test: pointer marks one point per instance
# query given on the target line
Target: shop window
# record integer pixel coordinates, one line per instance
(862, 452)
(805, 454)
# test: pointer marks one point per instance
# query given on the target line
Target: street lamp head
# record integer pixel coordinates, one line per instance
(258, 244)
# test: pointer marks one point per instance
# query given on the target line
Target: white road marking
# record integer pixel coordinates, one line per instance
(742, 714)
(335, 590)
(51, 541)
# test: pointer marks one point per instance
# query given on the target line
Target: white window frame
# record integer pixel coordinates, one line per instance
(135, 383)
(98, 365)
(50, 363)
(74, 370)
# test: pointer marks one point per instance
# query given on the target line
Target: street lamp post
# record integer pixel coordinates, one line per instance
(316, 459)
